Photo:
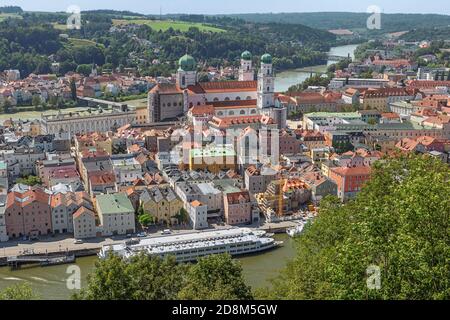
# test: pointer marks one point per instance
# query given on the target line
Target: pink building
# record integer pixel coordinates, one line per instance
(237, 208)
(28, 213)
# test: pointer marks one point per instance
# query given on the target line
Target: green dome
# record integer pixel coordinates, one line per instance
(266, 58)
(187, 63)
(246, 55)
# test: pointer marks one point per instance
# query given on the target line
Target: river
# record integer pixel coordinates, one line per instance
(50, 282)
(288, 78)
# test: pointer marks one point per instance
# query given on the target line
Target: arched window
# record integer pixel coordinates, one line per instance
(238, 98)
(216, 99)
(169, 104)
(198, 103)
(249, 98)
(231, 113)
(183, 80)
(253, 111)
(242, 112)
(220, 113)
(227, 99)
(191, 104)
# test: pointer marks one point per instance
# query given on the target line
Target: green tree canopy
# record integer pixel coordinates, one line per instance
(142, 278)
(30, 180)
(217, 277)
(18, 292)
(400, 223)
(146, 219)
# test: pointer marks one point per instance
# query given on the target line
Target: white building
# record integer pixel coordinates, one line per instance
(338, 83)
(21, 162)
(246, 72)
(266, 83)
(116, 214)
(100, 120)
(205, 193)
(126, 170)
(198, 215)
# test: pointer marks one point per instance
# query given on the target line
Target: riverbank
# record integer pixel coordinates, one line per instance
(64, 243)
(51, 282)
(287, 78)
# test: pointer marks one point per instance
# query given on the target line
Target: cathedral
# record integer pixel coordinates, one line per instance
(226, 99)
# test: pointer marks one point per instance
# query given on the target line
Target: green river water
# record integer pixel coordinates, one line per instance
(50, 282)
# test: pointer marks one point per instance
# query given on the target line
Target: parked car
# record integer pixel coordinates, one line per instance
(78, 241)
(141, 235)
(165, 232)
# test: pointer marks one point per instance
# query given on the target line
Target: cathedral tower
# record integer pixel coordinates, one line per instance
(187, 72)
(246, 72)
(266, 83)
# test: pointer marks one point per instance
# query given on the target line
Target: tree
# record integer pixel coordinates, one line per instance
(73, 89)
(18, 292)
(30, 180)
(145, 220)
(203, 77)
(142, 278)
(216, 277)
(398, 223)
(7, 105)
(36, 100)
(84, 69)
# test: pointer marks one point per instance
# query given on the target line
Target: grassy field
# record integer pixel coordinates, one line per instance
(139, 103)
(4, 16)
(81, 42)
(166, 24)
(60, 26)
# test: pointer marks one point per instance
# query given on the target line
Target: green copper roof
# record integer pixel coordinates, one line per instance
(114, 203)
(187, 63)
(246, 55)
(266, 58)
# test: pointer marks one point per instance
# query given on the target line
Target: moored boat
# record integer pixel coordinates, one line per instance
(192, 246)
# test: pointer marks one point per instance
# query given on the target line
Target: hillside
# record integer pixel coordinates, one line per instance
(349, 20)
(427, 34)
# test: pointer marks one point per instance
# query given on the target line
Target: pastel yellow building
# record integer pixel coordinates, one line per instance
(141, 115)
(162, 204)
(213, 158)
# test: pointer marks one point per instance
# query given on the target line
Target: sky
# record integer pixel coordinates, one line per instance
(237, 6)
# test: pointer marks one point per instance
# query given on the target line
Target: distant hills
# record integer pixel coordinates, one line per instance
(350, 20)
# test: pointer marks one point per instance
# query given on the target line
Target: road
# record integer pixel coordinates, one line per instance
(64, 243)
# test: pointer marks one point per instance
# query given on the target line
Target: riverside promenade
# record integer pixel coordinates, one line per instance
(61, 243)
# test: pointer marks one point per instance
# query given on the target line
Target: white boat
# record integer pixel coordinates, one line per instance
(295, 231)
(191, 246)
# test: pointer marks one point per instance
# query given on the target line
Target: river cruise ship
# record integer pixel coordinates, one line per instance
(192, 246)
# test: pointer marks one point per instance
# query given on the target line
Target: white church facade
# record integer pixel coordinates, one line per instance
(245, 97)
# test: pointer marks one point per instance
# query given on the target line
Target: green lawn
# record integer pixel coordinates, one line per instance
(4, 16)
(60, 26)
(81, 42)
(166, 24)
(139, 103)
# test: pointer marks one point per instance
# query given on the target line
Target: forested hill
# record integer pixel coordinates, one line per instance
(428, 34)
(349, 20)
